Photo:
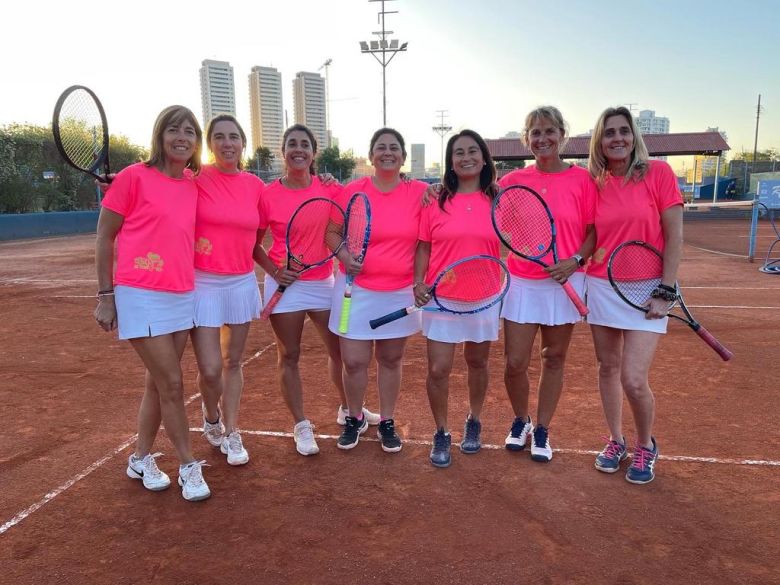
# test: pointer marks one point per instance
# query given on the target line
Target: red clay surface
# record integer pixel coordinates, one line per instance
(70, 395)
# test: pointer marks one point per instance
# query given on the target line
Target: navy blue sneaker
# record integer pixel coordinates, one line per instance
(391, 442)
(611, 455)
(642, 464)
(540, 444)
(518, 434)
(350, 435)
(471, 430)
(440, 453)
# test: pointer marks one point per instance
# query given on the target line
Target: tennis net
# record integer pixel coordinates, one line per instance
(722, 228)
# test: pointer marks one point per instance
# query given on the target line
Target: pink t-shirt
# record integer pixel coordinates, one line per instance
(227, 219)
(395, 222)
(463, 228)
(277, 206)
(154, 248)
(571, 197)
(633, 212)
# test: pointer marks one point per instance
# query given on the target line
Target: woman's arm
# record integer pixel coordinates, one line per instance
(561, 271)
(671, 223)
(108, 227)
(422, 257)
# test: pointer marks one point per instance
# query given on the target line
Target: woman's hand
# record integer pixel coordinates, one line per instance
(285, 277)
(105, 313)
(431, 194)
(104, 186)
(561, 272)
(327, 179)
(422, 294)
(657, 308)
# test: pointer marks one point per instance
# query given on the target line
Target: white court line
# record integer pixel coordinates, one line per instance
(99, 463)
(727, 307)
(758, 462)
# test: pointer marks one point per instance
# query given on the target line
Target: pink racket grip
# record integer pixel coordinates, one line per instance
(271, 305)
(575, 298)
(708, 338)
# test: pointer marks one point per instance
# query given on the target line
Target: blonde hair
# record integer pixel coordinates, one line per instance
(552, 114)
(597, 161)
(174, 115)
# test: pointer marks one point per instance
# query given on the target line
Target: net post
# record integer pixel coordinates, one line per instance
(753, 232)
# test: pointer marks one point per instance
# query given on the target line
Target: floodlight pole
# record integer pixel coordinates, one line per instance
(442, 130)
(382, 46)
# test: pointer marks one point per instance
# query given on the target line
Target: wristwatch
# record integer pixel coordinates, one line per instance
(579, 259)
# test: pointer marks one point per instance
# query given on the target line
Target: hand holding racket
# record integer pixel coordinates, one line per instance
(305, 241)
(357, 232)
(635, 269)
(467, 286)
(525, 225)
(81, 132)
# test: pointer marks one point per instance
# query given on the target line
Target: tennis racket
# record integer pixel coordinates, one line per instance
(305, 241)
(81, 131)
(357, 233)
(635, 269)
(470, 285)
(525, 225)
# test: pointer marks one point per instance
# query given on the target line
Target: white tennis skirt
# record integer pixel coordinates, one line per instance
(450, 328)
(148, 313)
(608, 309)
(370, 304)
(542, 301)
(302, 295)
(225, 299)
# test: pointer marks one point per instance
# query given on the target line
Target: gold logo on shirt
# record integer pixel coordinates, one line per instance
(599, 255)
(203, 246)
(151, 262)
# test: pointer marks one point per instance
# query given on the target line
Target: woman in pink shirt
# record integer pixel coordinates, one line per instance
(639, 199)
(383, 282)
(457, 226)
(310, 294)
(227, 297)
(536, 301)
(149, 211)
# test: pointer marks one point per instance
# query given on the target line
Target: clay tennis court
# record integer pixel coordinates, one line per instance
(68, 513)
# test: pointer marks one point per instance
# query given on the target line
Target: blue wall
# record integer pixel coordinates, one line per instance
(16, 226)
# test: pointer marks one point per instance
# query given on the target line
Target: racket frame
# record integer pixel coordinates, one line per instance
(688, 318)
(346, 303)
(103, 158)
(292, 260)
(551, 247)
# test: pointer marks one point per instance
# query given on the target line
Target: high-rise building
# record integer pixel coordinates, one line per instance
(265, 109)
(649, 123)
(217, 89)
(418, 161)
(310, 104)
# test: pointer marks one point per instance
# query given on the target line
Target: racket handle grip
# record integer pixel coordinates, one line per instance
(710, 340)
(575, 298)
(346, 306)
(390, 317)
(271, 304)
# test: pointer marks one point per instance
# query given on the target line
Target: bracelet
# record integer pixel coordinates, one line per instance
(663, 293)
(666, 287)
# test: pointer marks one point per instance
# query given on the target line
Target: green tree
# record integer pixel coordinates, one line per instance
(768, 154)
(337, 164)
(510, 164)
(261, 160)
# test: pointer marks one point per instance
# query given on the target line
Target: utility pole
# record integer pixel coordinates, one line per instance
(755, 141)
(442, 129)
(328, 132)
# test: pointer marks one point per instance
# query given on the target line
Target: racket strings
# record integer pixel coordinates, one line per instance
(524, 222)
(356, 229)
(306, 234)
(471, 285)
(81, 129)
(636, 271)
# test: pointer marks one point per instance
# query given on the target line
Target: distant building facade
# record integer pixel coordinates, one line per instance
(310, 104)
(649, 123)
(266, 109)
(418, 161)
(217, 89)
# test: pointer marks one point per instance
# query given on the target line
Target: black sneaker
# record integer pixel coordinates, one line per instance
(391, 442)
(353, 428)
(440, 454)
(471, 443)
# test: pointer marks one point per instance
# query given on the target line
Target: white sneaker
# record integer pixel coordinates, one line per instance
(304, 438)
(540, 444)
(518, 434)
(233, 447)
(214, 432)
(146, 469)
(372, 417)
(193, 486)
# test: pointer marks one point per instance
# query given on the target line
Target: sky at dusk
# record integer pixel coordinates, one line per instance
(699, 63)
